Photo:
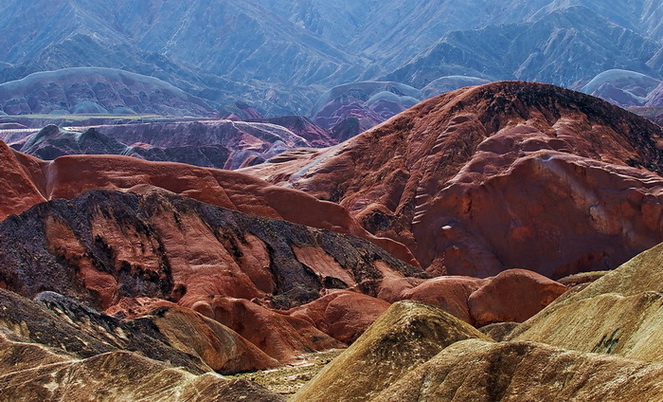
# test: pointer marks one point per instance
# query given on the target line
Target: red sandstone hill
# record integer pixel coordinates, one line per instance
(27, 181)
(504, 175)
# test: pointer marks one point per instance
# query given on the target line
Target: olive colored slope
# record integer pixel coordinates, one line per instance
(405, 336)
(620, 313)
(30, 372)
(170, 333)
(474, 370)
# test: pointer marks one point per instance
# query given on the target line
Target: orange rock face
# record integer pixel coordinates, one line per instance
(512, 295)
(451, 293)
(19, 189)
(498, 176)
(280, 336)
(341, 314)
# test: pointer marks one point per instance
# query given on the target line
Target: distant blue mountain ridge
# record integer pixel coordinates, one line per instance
(281, 58)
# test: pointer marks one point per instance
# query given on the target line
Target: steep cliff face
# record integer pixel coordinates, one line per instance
(20, 188)
(475, 181)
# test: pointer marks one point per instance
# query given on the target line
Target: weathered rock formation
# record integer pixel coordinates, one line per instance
(90, 90)
(475, 370)
(349, 109)
(20, 189)
(342, 314)
(104, 246)
(477, 180)
(621, 87)
(208, 143)
(243, 140)
(34, 372)
(169, 334)
(620, 313)
(303, 127)
(513, 295)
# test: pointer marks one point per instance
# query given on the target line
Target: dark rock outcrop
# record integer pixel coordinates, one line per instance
(210, 143)
(104, 246)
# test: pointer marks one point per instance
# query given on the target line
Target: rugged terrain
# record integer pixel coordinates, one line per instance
(566, 46)
(600, 342)
(107, 248)
(93, 90)
(475, 181)
(442, 223)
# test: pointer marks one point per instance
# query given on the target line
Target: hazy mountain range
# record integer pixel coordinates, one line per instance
(282, 58)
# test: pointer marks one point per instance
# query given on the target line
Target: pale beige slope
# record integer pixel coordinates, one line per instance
(620, 313)
(477, 371)
(547, 358)
(405, 336)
